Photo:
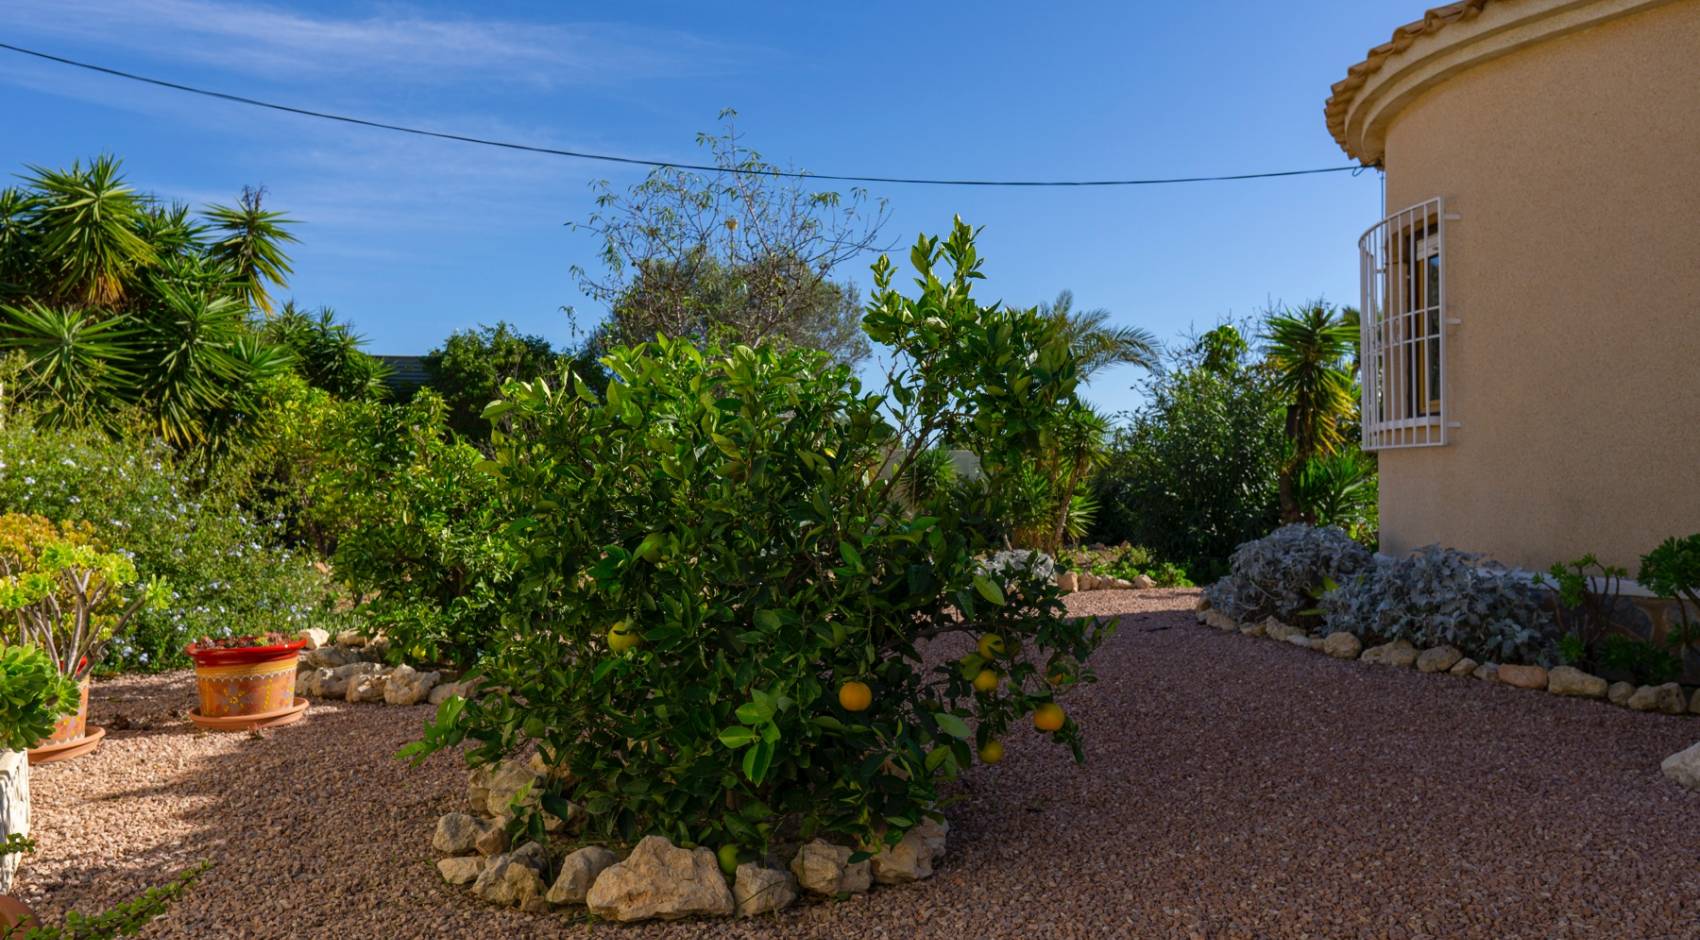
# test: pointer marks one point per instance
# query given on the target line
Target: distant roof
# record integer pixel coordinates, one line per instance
(405, 371)
(1346, 89)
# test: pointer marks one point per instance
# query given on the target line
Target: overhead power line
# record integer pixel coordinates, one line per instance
(638, 161)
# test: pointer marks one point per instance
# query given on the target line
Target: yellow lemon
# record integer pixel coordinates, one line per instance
(622, 637)
(1048, 717)
(855, 696)
(992, 752)
(986, 681)
(991, 646)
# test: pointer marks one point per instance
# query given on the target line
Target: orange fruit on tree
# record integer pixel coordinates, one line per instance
(991, 646)
(855, 696)
(991, 752)
(1048, 717)
(986, 681)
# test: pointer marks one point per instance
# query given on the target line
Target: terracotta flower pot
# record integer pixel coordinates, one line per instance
(253, 680)
(72, 735)
(15, 914)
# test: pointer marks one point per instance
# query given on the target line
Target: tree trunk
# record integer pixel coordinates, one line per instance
(1290, 511)
(14, 807)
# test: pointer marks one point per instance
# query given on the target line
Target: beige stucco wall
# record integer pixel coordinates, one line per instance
(1574, 164)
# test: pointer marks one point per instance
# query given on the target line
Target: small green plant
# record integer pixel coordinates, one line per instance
(1673, 570)
(1585, 614)
(1647, 663)
(123, 920)
(33, 696)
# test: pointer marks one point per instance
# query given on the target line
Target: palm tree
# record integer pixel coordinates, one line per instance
(252, 246)
(1308, 352)
(1096, 344)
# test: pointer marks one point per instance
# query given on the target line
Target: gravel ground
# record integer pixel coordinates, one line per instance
(1233, 788)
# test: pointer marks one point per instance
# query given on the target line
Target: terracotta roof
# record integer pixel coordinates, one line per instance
(1347, 88)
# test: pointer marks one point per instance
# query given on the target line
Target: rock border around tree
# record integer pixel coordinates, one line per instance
(654, 879)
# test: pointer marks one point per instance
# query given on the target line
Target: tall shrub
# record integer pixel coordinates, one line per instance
(726, 586)
(1194, 473)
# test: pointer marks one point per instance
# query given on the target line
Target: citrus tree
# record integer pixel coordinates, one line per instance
(725, 616)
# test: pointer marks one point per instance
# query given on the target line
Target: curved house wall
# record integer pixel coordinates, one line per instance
(1574, 164)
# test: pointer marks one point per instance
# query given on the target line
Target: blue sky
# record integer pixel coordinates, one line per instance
(413, 238)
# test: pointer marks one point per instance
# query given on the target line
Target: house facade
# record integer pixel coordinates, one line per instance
(1531, 308)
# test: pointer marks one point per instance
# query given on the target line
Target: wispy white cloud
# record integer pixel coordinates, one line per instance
(392, 41)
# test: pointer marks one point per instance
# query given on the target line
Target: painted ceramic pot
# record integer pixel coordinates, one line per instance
(250, 680)
(72, 727)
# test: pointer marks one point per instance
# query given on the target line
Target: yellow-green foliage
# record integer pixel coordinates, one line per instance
(68, 595)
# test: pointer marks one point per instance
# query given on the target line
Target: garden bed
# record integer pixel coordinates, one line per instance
(1236, 789)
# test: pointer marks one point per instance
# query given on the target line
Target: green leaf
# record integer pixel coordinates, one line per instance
(737, 736)
(953, 726)
(755, 713)
(988, 589)
(852, 557)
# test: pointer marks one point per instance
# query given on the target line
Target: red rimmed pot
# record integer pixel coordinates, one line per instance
(71, 735)
(247, 686)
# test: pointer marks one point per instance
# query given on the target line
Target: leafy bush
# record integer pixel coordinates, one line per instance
(712, 570)
(421, 541)
(33, 696)
(1441, 596)
(1127, 562)
(224, 573)
(64, 594)
(1283, 574)
(1342, 490)
(469, 369)
(1194, 475)
(1673, 570)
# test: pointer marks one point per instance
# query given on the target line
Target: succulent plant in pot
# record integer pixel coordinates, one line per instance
(33, 696)
(246, 681)
(66, 595)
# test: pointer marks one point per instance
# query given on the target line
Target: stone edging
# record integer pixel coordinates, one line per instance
(1561, 680)
(655, 879)
(351, 669)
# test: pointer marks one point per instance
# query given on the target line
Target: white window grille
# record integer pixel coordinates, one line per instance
(1404, 329)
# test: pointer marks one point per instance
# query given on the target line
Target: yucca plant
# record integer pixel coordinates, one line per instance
(250, 243)
(86, 226)
(75, 363)
(185, 344)
(1307, 352)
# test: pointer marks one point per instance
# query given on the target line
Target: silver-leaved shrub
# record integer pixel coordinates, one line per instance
(1284, 573)
(1444, 597)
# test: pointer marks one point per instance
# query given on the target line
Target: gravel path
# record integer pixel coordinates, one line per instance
(1233, 788)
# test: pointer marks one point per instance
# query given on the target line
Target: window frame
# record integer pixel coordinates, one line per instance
(1403, 320)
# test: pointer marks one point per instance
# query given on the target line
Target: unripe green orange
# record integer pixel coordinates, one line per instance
(986, 681)
(992, 752)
